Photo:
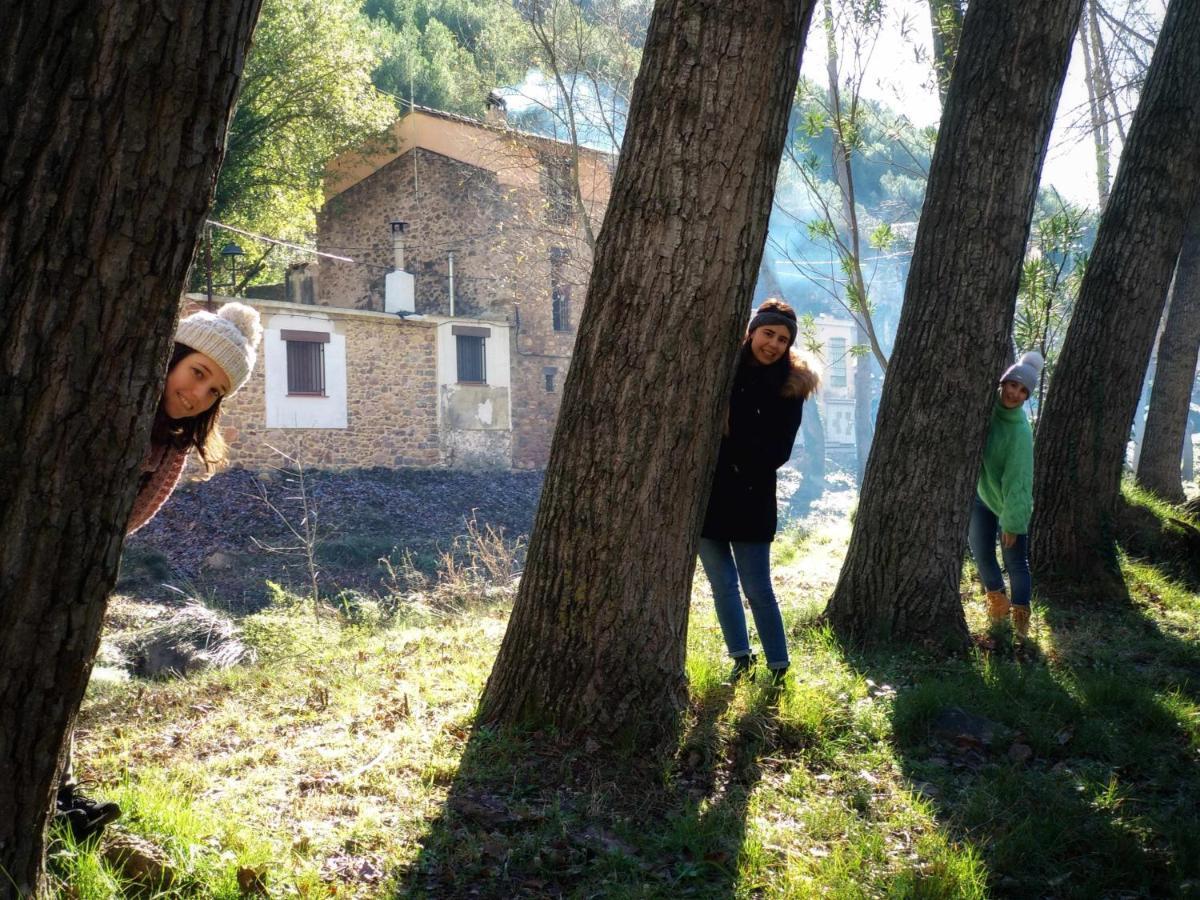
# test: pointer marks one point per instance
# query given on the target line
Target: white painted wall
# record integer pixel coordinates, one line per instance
(304, 412)
(496, 356)
(836, 403)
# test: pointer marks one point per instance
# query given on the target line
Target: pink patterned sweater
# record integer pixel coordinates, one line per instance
(159, 474)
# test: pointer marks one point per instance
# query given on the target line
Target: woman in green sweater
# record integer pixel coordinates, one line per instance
(1004, 497)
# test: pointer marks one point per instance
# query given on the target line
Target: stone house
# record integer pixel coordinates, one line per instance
(437, 328)
(349, 388)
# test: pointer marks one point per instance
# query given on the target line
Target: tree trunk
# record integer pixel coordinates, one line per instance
(597, 636)
(112, 123)
(901, 575)
(812, 462)
(1089, 409)
(945, 19)
(1104, 90)
(1159, 467)
(864, 428)
(1143, 403)
(1096, 106)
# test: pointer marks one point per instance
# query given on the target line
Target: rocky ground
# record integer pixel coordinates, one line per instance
(222, 539)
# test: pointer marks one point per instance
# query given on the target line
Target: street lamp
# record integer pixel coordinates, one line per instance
(232, 251)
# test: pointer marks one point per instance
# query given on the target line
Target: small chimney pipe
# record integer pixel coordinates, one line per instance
(398, 229)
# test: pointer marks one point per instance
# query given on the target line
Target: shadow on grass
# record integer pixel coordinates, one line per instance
(1074, 771)
(531, 816)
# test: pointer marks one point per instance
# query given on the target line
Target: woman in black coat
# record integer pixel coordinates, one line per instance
(765, 408)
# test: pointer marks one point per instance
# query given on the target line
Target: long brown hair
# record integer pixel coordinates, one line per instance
(200, 433)
(794, 376)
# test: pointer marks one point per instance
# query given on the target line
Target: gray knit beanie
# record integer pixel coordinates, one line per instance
(230, 338)
(1025, 371)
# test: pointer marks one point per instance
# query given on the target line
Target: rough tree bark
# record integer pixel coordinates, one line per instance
(1159, 466)
(1085, 423)
(596, 639)
(901, 575)
(113, 116)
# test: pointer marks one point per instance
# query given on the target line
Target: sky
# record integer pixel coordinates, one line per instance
(897, 76)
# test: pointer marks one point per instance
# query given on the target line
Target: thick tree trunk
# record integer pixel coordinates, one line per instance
(945, 19)
(1159, 467)
(1085, 424)
(596, 639)
(112, 123)
(864, 428)
(901, 574)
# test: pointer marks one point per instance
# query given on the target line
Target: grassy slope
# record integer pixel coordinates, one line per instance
(343, 763)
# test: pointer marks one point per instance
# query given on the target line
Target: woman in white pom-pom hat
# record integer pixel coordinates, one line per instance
(213, 357)
(1004, 497)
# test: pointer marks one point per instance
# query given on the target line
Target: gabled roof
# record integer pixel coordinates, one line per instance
(509, 152)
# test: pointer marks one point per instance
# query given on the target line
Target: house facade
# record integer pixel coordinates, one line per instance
(493, 226)
(346, 388)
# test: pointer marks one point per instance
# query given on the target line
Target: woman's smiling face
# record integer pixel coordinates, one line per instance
(194, 386)
(768, 343)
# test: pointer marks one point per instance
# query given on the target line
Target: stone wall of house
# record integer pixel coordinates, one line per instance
(391, 399)
(502, 237)
(450, 208)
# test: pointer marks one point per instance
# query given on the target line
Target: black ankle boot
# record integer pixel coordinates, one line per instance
(743, 668)
(84, 816)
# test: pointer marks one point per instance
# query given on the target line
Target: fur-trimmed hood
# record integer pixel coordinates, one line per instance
(801, 381)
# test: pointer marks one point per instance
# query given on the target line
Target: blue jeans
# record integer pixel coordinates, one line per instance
(726, 563)
(985, 528)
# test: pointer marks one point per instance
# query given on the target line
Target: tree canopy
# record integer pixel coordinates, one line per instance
(446, 54)
(307, 96)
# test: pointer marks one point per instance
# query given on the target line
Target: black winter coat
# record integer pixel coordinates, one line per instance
(762, 429)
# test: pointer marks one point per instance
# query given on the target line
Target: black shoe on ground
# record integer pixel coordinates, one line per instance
(84, 816)
(743, 668)
(779, 677)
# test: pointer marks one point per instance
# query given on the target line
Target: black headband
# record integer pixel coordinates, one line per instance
(771, 317)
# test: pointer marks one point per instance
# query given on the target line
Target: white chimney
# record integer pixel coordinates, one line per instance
(399, 286)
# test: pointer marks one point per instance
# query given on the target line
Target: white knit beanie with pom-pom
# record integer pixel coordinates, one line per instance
(1025, 371)
(229, 338)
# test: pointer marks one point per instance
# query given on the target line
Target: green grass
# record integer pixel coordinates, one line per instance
(344, 763)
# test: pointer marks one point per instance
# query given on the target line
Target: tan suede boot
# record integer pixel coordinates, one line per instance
(1020, 617)
(998, 606)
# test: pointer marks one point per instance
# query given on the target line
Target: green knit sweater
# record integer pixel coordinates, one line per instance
(1006, 482)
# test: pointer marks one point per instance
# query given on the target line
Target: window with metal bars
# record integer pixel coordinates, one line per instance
(306, 362)
(472, 366)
